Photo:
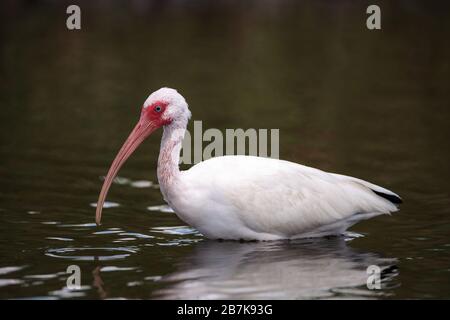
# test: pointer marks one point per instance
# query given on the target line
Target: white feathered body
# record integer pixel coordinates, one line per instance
(254, 198)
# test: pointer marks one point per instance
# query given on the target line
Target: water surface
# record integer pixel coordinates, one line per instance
(369, 104)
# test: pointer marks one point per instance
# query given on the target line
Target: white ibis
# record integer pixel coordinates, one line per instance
(246, 197)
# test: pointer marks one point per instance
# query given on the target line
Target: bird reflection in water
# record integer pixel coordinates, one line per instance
(319, 268)
(98, 283)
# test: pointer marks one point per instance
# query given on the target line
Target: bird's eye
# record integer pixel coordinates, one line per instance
(158, 108)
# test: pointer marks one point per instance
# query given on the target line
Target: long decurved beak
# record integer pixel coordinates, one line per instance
(140, 132)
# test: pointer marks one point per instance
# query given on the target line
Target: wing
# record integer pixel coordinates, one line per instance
(280, 197)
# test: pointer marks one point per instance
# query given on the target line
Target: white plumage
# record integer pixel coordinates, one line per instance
(244, 197)
(250, 198)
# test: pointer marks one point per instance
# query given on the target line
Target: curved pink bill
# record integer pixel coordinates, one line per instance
(142, 130)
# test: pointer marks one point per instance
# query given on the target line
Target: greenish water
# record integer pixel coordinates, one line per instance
(374, 105)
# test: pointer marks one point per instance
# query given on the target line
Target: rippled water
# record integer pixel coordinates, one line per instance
(371, 105)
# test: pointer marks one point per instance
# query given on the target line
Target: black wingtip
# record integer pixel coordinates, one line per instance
(392, 198)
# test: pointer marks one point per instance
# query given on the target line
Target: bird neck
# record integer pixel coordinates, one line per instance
(169, 154)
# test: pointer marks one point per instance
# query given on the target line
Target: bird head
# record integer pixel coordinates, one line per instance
(164, 107)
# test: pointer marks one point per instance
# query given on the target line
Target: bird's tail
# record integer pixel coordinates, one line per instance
(380, 191)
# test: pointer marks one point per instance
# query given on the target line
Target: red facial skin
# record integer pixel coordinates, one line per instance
(154, 116)
(150, 120)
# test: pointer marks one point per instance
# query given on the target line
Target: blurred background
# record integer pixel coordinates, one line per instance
(371, 104)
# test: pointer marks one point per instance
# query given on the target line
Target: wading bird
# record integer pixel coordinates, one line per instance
(245, 197)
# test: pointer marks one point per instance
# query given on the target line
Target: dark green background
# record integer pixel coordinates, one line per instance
(371, 104)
